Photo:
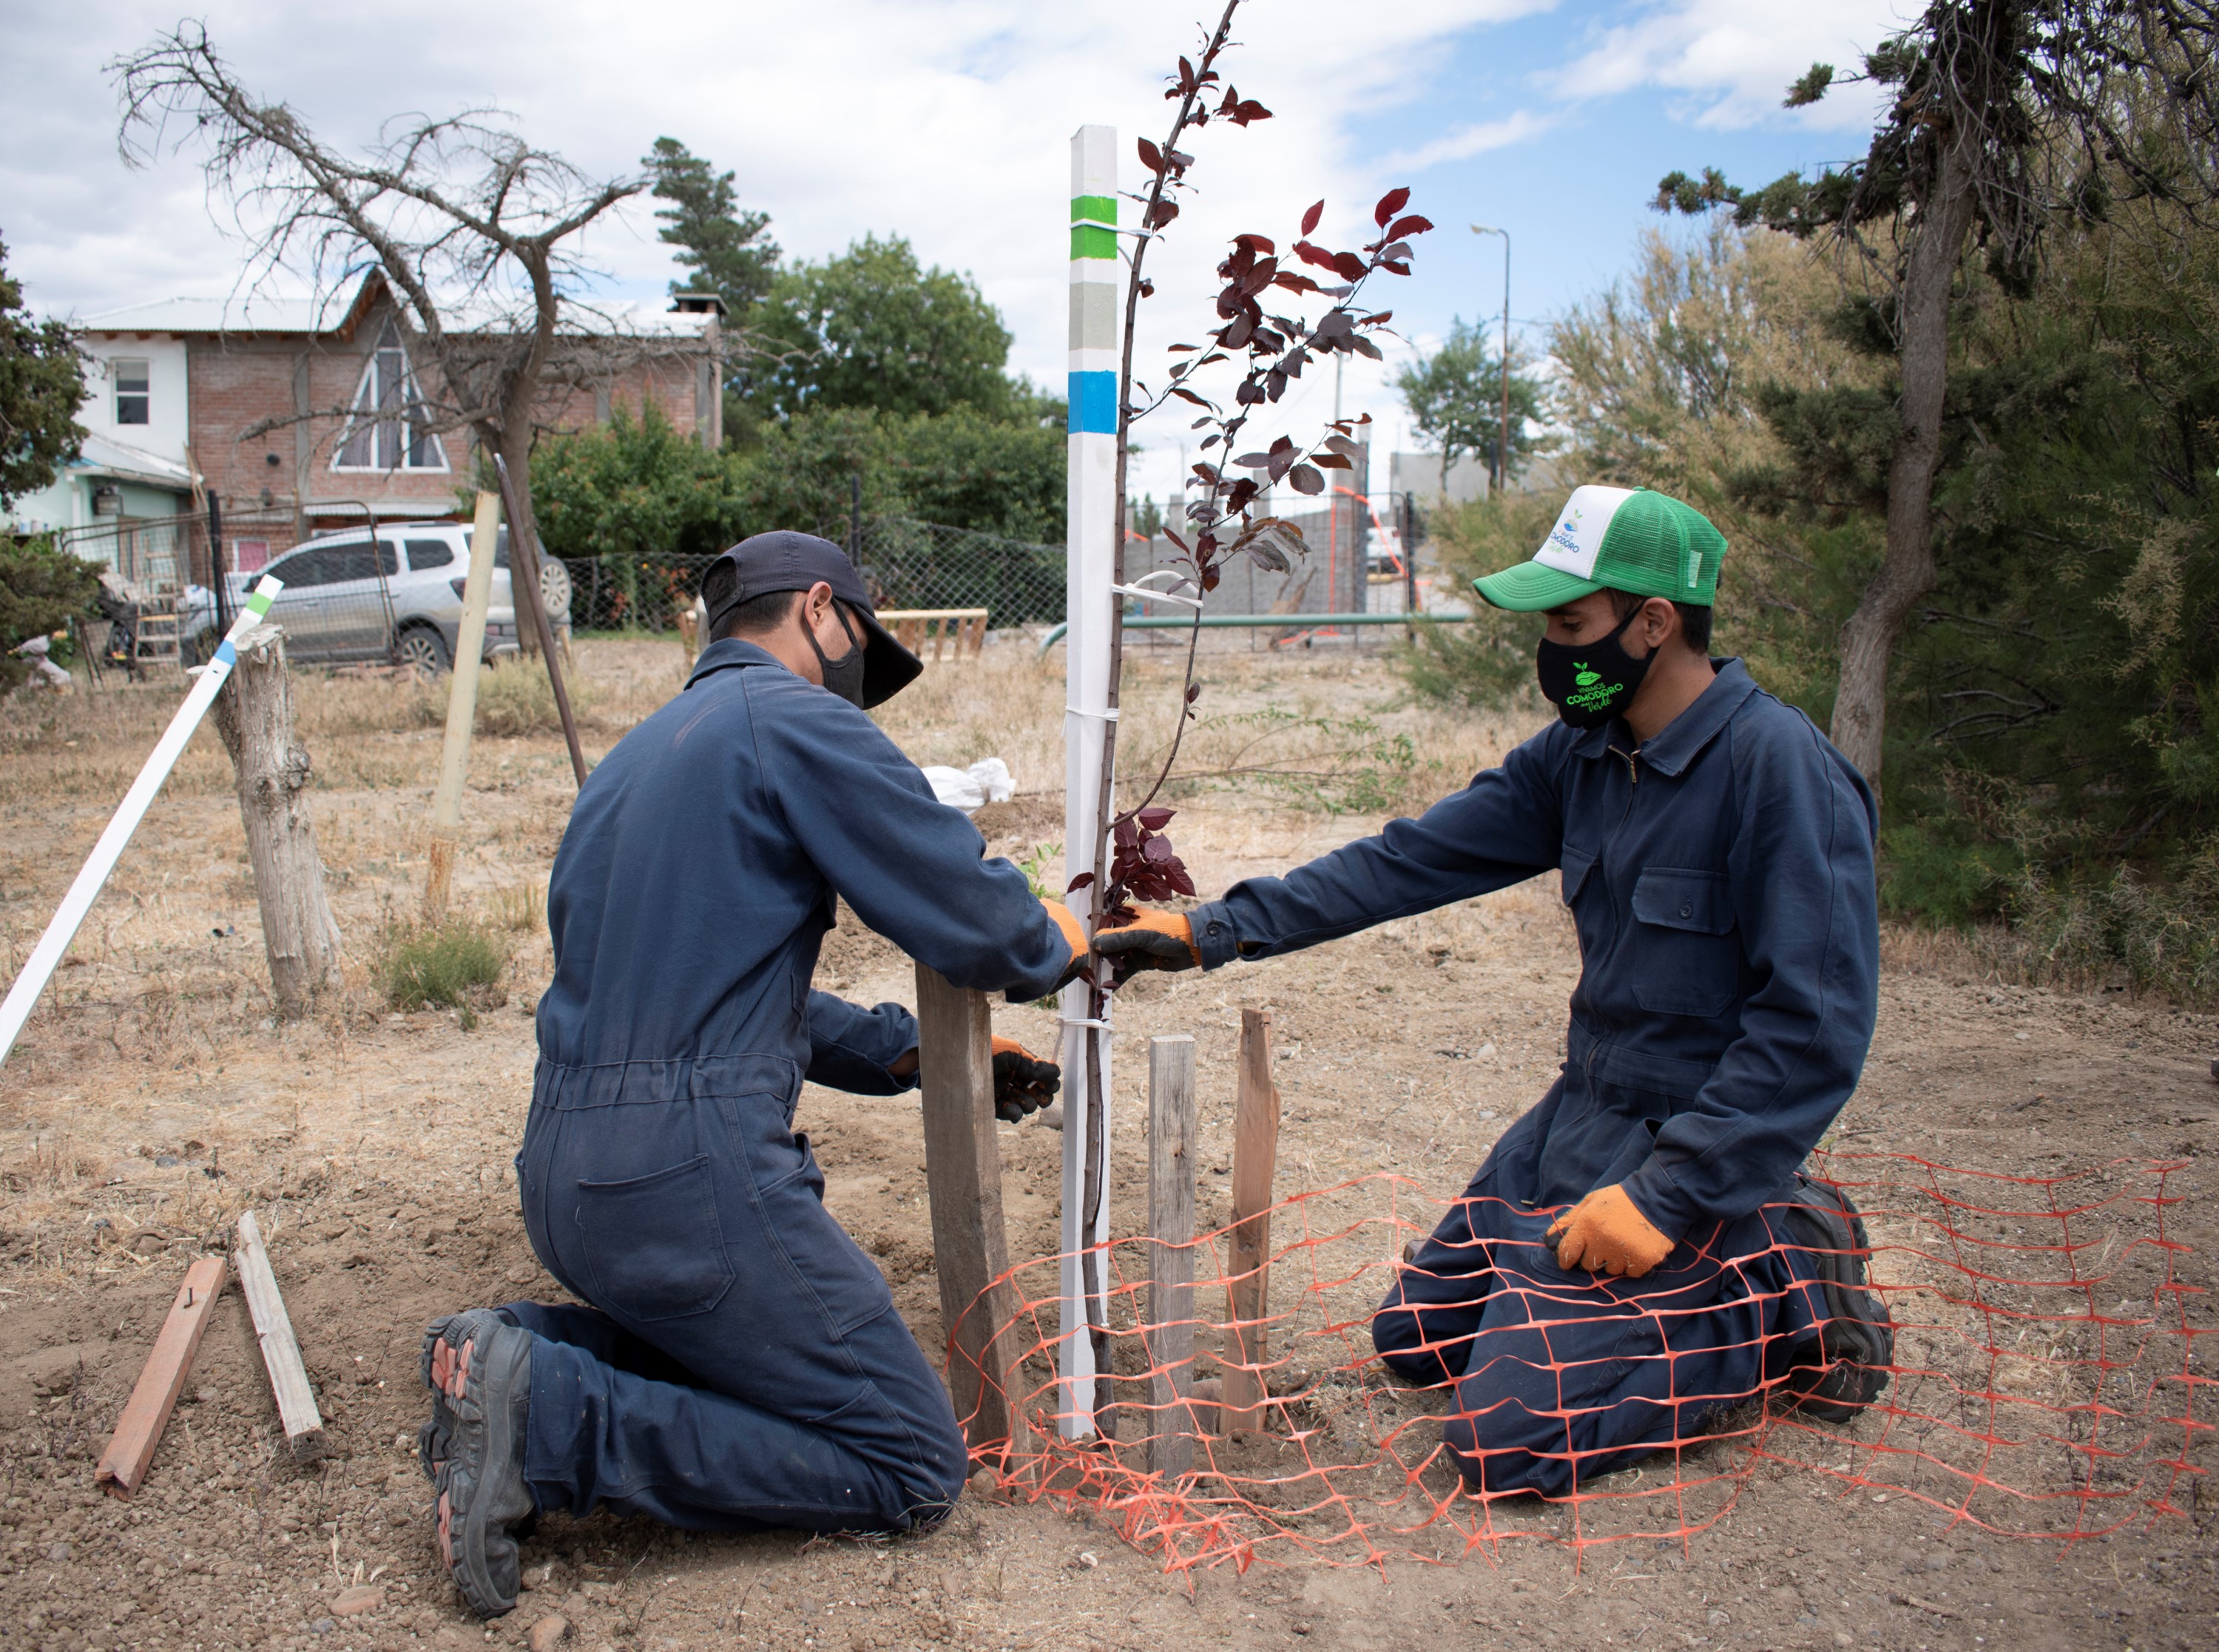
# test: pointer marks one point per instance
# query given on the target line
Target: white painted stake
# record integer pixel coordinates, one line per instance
(1091, 538)
(46, 956)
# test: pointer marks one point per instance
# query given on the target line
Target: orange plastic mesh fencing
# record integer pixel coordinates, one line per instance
(2046, 1381)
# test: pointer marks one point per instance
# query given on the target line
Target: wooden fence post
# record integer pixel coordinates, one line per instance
(122, 1468)
(281, 1352)
(462, 709)
(1255, 1151)
(963, 1181)
(1171, 1254)
(254, 715)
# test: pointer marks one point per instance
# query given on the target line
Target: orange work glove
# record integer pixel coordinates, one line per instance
(1074, 936)
(1152, 941)
(1023, 1082)
(1606, 1232)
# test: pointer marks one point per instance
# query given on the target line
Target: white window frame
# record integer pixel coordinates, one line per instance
(117, 392)
(388, 409)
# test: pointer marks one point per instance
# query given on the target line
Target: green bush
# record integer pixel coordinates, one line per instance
(455, 965)
(40, 590)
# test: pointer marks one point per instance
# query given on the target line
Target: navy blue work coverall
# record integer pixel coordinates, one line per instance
(741, 1364)
(1721, 881)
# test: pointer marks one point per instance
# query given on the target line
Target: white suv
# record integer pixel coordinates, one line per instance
(393, 596)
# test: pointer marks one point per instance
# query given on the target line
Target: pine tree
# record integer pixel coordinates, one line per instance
(726, 249)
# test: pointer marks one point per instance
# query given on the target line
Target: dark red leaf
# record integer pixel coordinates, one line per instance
(1256, 243)
(1172, 534)
(1305, 479)
(1254, 461)
(1174, 348)
(1126, 837)
(1156, 817)
(1078, 883)
(1310, 218)
(1294, 281)
(1308, 252)
(1250, 109)
(1282, 457)
(1389, 203)
(1275, 383)
(1414, 225)
(1186, 395)
(1160, 215)
(1396, 268)
(1152, 158)
(1193, 692)
(1147, 289)
(1333, 461)
(1348, 266)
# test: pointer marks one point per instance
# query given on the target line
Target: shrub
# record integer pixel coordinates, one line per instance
(455, 965)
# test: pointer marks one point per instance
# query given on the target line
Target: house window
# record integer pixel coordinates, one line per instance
(133, 398)
(249, 555)
(390, 429)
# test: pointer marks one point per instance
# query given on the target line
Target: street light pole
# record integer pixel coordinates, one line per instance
(1502, 432)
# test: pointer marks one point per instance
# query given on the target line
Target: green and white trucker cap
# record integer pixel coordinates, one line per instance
(1624, 538)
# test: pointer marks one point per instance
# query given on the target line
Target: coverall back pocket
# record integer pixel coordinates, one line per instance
(653, 1244)
(1686, 958)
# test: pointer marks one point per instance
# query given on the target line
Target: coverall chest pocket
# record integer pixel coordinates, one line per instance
(653, 1243)
(1685, 955)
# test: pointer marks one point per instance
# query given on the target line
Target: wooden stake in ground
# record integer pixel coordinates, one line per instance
(524, 577)
(254, 715)
(1171, 1254)
(281, 1354)
(1255, 1153)
(462, 709)
(963, 1180)
(122, 1468)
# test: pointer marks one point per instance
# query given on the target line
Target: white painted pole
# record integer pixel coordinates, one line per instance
(46, 956)
(1091, 538)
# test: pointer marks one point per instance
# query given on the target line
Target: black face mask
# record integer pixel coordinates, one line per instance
(1593, 683)
(843, 676)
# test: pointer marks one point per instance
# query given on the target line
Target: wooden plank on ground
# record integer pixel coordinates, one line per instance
(1171, 1254)
(1255, 1153)
(963, 1180)
(122, 1468)
(280, 1353)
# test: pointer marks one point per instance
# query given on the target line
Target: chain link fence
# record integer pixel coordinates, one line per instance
(905, 564)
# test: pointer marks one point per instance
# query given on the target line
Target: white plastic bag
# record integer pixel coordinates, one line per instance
(985, 781)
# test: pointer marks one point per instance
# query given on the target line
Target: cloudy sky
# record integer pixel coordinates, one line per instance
(948, 120)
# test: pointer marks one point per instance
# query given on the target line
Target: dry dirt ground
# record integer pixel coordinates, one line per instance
(152, 1099)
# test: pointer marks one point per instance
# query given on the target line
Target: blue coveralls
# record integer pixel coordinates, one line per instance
(1720, 877)
(741, 1364)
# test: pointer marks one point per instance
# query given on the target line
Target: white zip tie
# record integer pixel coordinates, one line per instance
(1110, 716)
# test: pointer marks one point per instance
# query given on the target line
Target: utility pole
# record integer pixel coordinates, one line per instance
(1501, 430)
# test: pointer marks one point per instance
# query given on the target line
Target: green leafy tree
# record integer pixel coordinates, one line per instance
(41, 589)
(2003, 117)
(41, 384)
(1455, 399)
(728, 252)
(870, 328)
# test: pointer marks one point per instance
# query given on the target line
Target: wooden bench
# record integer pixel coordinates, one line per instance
(913, 627)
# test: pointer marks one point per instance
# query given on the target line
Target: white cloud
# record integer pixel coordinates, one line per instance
(1465, 141)
(1735, 58)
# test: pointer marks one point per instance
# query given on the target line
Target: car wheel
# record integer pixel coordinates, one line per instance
(421, 646)
(555, 588)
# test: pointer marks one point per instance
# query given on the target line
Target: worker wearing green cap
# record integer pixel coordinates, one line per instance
(1642, 1249)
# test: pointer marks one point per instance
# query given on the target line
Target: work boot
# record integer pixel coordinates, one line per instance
(480, 1368)
(1844, 1366)
(431, 1447)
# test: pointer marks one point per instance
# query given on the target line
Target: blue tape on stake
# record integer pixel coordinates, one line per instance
(1093, 404)
(225, 654)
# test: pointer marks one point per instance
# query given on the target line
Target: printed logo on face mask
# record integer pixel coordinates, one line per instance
(1586, 695)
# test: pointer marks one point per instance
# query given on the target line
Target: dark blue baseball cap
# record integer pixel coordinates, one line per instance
(784, 560)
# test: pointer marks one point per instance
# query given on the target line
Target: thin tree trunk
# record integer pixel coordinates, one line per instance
(1906, 573)
(254, 715)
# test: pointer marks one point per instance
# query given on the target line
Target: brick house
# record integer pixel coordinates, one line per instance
(301, 415)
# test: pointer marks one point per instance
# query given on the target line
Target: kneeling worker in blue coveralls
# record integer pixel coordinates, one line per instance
(740, 1365)
(1640, 1252)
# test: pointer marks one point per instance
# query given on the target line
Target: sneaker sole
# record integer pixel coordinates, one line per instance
(476, 1377)
(1856, 1340)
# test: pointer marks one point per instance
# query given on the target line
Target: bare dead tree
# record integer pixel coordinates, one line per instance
(476, 230)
